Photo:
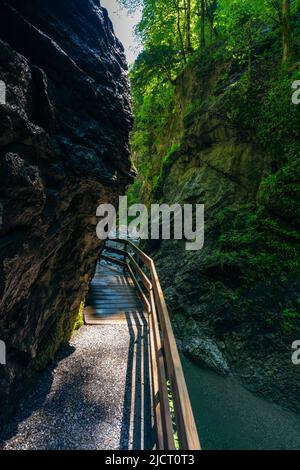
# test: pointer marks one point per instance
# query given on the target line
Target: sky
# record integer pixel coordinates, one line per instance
(124, 25)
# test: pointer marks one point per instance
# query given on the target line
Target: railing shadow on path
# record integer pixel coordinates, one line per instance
(137, 430)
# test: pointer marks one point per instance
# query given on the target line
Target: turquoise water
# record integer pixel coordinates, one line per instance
(229, 417)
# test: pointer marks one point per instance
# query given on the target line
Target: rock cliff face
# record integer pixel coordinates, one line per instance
(64, 150)
(235, 304)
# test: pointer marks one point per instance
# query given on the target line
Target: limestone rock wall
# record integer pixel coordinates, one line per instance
(233, 311)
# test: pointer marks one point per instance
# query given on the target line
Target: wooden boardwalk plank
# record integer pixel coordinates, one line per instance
(112, 298)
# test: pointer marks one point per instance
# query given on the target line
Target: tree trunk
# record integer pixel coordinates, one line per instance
(211, 21)
(202, 25)
(177, 5)
(287, 41)
(188, 26)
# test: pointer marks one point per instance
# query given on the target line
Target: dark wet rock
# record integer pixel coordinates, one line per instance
(203, 350)
(63, 151)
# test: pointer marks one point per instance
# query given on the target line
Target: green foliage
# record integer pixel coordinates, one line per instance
(152, 112)
(251, 89)
(170, 152)
(172, 411)
(239, 20)
(280, 191)
(288, 321)
(278, 120)
(264, 237)
(263, 246)
(245, 32)
(156, 64)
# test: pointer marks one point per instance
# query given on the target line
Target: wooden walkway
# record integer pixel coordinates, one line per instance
(113, 300)
(112, 297)
(126, 292)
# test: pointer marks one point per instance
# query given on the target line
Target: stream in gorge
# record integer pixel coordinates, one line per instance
(229, 417)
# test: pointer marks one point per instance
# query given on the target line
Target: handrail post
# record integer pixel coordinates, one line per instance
(102, 248)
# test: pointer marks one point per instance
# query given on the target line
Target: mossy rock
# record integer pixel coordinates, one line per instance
(59, 334)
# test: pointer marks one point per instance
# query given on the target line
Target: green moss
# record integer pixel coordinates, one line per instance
(60, 333)
(133, 193)
(79, 317)
(193, 109)
(166, 163)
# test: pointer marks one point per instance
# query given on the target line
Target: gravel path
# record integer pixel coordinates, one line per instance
(85, 400)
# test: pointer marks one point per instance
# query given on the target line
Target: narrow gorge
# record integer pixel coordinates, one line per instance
(134, 341)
